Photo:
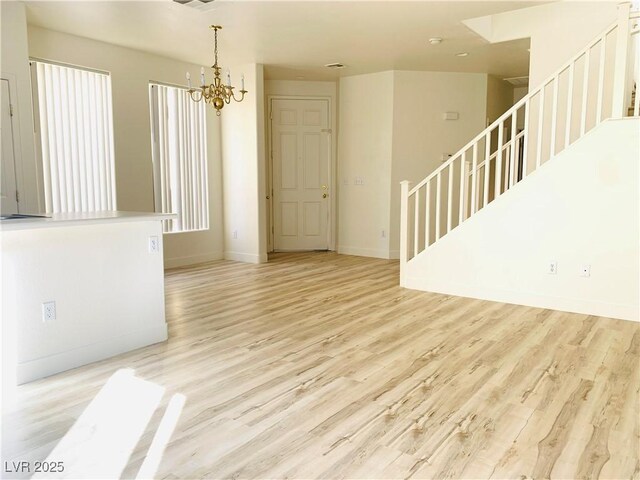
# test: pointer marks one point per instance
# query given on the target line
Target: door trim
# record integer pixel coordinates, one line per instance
(331, 224)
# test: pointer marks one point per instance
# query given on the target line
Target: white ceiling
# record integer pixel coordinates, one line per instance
(296, 38)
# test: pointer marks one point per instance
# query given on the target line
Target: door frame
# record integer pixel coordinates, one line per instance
(331, 223)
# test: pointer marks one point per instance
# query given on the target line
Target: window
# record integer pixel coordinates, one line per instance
(76, 137)
(179, 150)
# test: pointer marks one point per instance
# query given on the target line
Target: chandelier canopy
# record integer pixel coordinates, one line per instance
(217, 93)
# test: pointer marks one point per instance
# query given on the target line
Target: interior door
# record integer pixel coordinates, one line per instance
(8, 190)
(300, 149)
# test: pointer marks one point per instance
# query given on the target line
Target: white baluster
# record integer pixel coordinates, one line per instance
(585, 92)
(498, 169)
(540, 127)
(427, 214)
(487, 167)
(404, 226)
(603, 52)
(554, 117)
(514, 147)
(621, 65)
(567, 133)
(525, 135)
(464, 174)
(438, 195)
(449, 197)
(505, 176)
(416, 223)
(474, 188)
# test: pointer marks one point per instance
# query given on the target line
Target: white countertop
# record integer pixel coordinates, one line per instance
(84, 218)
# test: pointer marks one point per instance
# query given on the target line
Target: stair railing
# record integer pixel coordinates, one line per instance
(594, 85)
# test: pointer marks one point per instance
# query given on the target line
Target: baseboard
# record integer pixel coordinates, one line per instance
(365, 252)
(60, 362)
(530, 299)
(246, 257)
(192, 260)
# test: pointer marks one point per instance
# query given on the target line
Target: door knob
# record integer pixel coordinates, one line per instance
(324, 195)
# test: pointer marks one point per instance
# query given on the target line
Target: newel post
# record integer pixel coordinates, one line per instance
(621, 67)
(404, 229)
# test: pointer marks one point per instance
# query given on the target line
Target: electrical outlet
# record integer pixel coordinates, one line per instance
(552, 267)
(235, 234)
(48, 311)
(359, 181)
(154, 244)
(585, 271)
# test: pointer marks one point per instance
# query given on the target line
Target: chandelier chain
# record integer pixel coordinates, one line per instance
(215, 48)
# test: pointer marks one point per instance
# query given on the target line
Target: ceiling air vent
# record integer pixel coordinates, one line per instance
(197, 4)
(518, 81)
(334, 65)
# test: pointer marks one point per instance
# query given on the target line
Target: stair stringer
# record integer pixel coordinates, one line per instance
(580, 208)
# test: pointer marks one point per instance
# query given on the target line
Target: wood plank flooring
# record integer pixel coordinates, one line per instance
(319, 366)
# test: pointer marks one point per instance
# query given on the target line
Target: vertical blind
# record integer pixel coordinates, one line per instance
(179, 149)
(76, 135)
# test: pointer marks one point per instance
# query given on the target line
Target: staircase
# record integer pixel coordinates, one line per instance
(596, 85)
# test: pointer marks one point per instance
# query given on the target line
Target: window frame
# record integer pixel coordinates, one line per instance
(108, 141)
(171, 227)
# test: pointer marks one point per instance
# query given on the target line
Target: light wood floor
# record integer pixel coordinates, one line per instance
(320, 366)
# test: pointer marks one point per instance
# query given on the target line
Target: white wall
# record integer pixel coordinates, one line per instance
(551, 47)
(421, 136)
(499, 97)
(391, 129)
(519, 93)
(365, 151)
(305, 89)
(14, 66)
(131, 71)
(243, 171)
(582, 208)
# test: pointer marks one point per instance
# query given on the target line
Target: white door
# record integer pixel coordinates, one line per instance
(8, 190)
(300, 148)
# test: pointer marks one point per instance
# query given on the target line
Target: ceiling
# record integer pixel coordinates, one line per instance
(294, 39)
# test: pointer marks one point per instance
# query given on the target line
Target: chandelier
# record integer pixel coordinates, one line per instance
(217, 93)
